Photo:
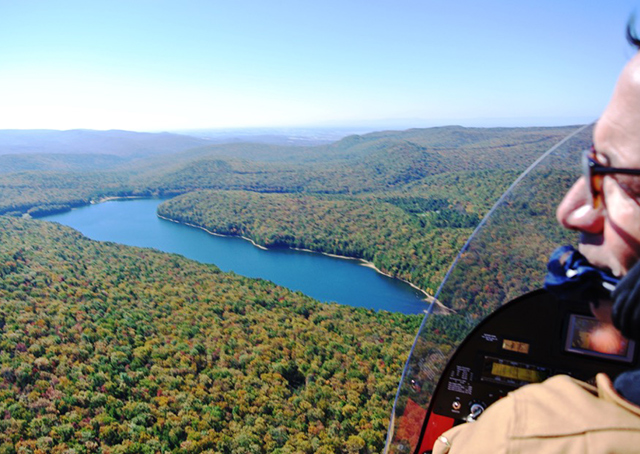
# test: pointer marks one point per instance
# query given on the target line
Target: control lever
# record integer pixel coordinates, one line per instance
(476, 410)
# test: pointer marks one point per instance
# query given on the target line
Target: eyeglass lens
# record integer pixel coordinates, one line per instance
(593, 179)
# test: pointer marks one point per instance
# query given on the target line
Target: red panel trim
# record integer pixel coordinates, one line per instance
(436, 426)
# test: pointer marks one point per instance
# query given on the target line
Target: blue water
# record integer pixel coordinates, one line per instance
(134, 222)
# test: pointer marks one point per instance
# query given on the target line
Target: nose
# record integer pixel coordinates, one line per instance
(576, 212)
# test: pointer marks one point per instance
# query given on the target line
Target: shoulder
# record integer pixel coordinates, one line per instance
(559, 415)
(562, 406)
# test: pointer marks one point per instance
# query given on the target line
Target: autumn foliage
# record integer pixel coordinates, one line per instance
(113, 349)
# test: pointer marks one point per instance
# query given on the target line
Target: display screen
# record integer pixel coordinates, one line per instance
(517, 373)
(589, 336)
(515, 346)
(511, 372)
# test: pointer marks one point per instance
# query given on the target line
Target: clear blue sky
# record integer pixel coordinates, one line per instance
(162, 65)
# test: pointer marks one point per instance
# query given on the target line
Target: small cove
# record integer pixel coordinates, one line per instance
(134, 222)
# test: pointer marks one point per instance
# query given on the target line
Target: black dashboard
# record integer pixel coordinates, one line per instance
(525, 341)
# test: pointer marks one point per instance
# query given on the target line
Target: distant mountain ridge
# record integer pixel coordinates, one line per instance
(85, 141)
(43, 162)
(356, 164)
(130, 144)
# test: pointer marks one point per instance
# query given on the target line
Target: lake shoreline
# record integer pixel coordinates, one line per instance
(439, 308)
(259, 246)
(121, 197)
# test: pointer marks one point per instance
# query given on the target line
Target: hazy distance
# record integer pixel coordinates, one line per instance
(210, 65)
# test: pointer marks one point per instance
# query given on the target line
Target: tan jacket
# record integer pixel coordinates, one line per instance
(561, 415)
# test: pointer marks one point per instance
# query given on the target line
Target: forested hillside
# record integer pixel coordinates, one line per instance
(113, 349)
(416, 249)
(372, 163)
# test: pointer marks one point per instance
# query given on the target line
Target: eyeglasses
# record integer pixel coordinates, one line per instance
(594, 173)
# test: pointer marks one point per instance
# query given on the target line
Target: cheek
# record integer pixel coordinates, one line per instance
(622, 229)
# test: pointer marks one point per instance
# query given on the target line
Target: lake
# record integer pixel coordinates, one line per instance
(134, 222)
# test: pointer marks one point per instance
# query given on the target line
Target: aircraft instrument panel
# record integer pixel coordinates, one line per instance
(525, 341)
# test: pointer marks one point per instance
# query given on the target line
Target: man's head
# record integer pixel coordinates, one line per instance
(610, 234)
(606, 212)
